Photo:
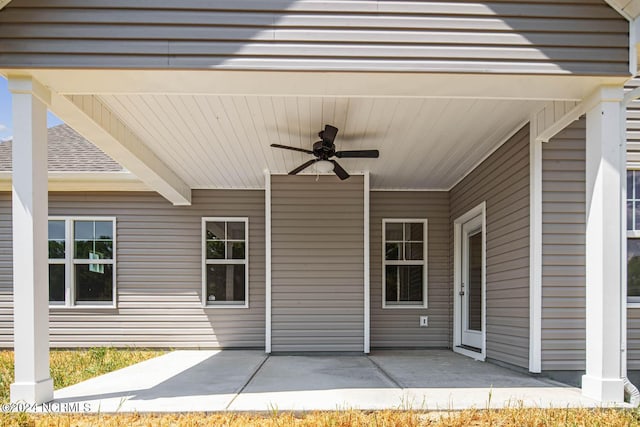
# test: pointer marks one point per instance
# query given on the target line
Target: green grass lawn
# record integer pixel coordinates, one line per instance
(72, 366)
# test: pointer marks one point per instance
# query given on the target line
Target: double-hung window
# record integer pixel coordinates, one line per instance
(633, 235)
(225, 266)
(82, 261)
(404, 265)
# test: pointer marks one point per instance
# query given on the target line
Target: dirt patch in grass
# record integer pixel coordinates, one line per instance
(73, 366)
(515, 417)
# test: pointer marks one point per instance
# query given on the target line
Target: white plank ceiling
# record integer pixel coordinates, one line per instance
(223, 141)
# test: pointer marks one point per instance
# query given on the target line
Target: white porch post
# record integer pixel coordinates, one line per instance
(605, 171)
(33, 383)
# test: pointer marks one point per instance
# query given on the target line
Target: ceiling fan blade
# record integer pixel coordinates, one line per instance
(337, 169)
(303, 167)
(286, 147)
(364, 154)
(329, 134)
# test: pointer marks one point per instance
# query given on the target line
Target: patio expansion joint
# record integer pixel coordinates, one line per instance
(249, 379)
(385, 374)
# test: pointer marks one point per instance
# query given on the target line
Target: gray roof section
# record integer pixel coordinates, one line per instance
(68, 152)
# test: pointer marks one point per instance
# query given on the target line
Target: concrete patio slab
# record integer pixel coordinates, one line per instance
(180, 381)
(185, 381)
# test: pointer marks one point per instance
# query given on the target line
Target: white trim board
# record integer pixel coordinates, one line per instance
(367, 266)
(267, 261)
(535, 249)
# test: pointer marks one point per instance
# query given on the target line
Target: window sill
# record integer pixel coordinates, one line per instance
(404, 307)
(225, 306)
(84, 306)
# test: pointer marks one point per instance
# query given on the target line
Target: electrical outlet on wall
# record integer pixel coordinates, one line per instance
(424, 321)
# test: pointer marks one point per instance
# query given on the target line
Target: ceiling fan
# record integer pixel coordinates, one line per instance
(324, 150)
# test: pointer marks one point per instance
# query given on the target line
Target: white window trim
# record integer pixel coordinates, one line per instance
(69, 262)
(425, 264)
(205, 262)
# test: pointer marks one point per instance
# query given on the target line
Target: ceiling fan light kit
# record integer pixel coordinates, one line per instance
(324, 166)
(324, 150)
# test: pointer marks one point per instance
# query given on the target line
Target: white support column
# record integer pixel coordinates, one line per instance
(33, 383)
(604, 174)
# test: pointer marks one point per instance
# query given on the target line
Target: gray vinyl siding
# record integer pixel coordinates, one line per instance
(502, 180)
(534, 36)
(158, 273)
(317, 251)
(563, 250)
(633, 339)
(633, 127)
(395, 327)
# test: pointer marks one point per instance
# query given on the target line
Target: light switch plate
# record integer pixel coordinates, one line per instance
(424, 321)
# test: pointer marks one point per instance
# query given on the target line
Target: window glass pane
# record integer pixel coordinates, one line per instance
(393, 251)
(235, 231)
(91, 249)
(94, 282)
(411, 283)
(633, 267)
(391, 283)
(56, 230)
(235, 250)
(474, 287)
(215, 250)
(414, 251)
(636, 184)
(83, 230)
(82, 248)
(104, 230)
(215, 230)
(393, 231)
(414, 231)
(226, 283)
(102, 250)
(56, 282)
(56, 249)
(629, 215)
(636, 215)
(629, 184)
(93, 239)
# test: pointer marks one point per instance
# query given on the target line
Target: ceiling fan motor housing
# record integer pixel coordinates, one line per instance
(323, 151)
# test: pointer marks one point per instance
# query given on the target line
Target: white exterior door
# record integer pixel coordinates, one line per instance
(470, 293)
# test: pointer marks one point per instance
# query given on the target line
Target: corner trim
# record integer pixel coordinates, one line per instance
(535, 248)
(367, 267)
(267, 260)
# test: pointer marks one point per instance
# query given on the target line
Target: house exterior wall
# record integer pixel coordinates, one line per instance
(533, 36)
(159, 272)
(399, 327)
(317, 258)
(563, 250)
(502, 180)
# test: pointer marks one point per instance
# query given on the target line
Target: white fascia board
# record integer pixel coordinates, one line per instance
(85, 181)
(311, 83)
(94, 121)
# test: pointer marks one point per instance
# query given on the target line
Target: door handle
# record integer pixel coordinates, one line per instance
(461, 293)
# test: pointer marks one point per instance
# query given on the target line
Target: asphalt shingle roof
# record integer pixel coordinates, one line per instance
(68, 152)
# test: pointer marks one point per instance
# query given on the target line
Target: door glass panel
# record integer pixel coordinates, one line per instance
(474, 287)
